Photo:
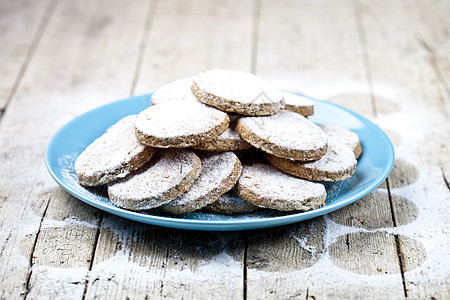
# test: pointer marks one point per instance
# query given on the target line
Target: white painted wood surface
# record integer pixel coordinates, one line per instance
(387, 60)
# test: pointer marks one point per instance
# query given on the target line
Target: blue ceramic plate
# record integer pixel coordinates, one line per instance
(373, 167)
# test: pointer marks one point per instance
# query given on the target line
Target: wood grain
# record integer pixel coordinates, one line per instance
(387, 60)
(289, 46)
(74, 68)
(432, 23)
(179, 264)
(139, 261)
(274, 255)
(400, 67)
(21, 26)
(190, 37)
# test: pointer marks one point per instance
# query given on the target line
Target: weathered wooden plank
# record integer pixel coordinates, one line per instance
(185, 38)
(21, 26)
(364, 214)
(391, 74)
(311, 47)
(399, 58)
(432, 24)
(119, 270)
(86, 57)
(333, 66)
(139, 261)
(189, 37)
(63, 249)
(275, 255)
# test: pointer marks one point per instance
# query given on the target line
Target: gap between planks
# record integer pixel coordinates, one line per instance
(27, 286)
(436, 69)
(49, 10)
(363, 41)
(142, 49)
(91, 263)
(446, 180)
(30, 52)
(361, 33)
(433, 61)
(401, 262)
(144, 44)
(244, 281)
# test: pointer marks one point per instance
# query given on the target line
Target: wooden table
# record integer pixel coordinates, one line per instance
(387, 60)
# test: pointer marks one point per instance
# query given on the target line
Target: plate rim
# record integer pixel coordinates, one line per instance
(219, 225)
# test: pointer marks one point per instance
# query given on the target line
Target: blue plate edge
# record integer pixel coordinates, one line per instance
(212, 225)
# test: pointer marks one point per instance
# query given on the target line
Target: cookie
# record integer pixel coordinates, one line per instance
(177, 90)
(345, 136)
(113, 155)
(179, 124)
(298, 104)
(169, 174)
(220, 171)
(263, 185)
(339, 163)
(231, 203)
(227, 141)
(237, 92)
(286, 134)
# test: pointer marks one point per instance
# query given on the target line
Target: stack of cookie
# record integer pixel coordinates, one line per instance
(179, 155)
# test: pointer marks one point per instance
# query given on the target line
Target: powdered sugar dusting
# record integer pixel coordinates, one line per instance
(230, 134)
(50, 223)
(121, 268)
(293, 99)
(338, 159)
(340, 135)
(298, 104)
(431, 228)
(287, 129)
(179, 118)
(429, 193)
(147, 187)
(229, 140)
(238, 86)
(267, 180)
(105, 159)
(54, 283)
(277, 188)
(302, 242)
(218, 175)
(174, 91)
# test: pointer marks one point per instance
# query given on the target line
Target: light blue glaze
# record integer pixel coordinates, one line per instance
(373, 167)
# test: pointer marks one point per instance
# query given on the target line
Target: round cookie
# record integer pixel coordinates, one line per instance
(237, 92)
(298, 104)
(343, 135)
(113, 155)
(265, 186)
(169, 174)
(179, 124)
(231, 203)
(286, 134)
(227, 141)
(177, 90)
(339, 163)
(220, 172)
